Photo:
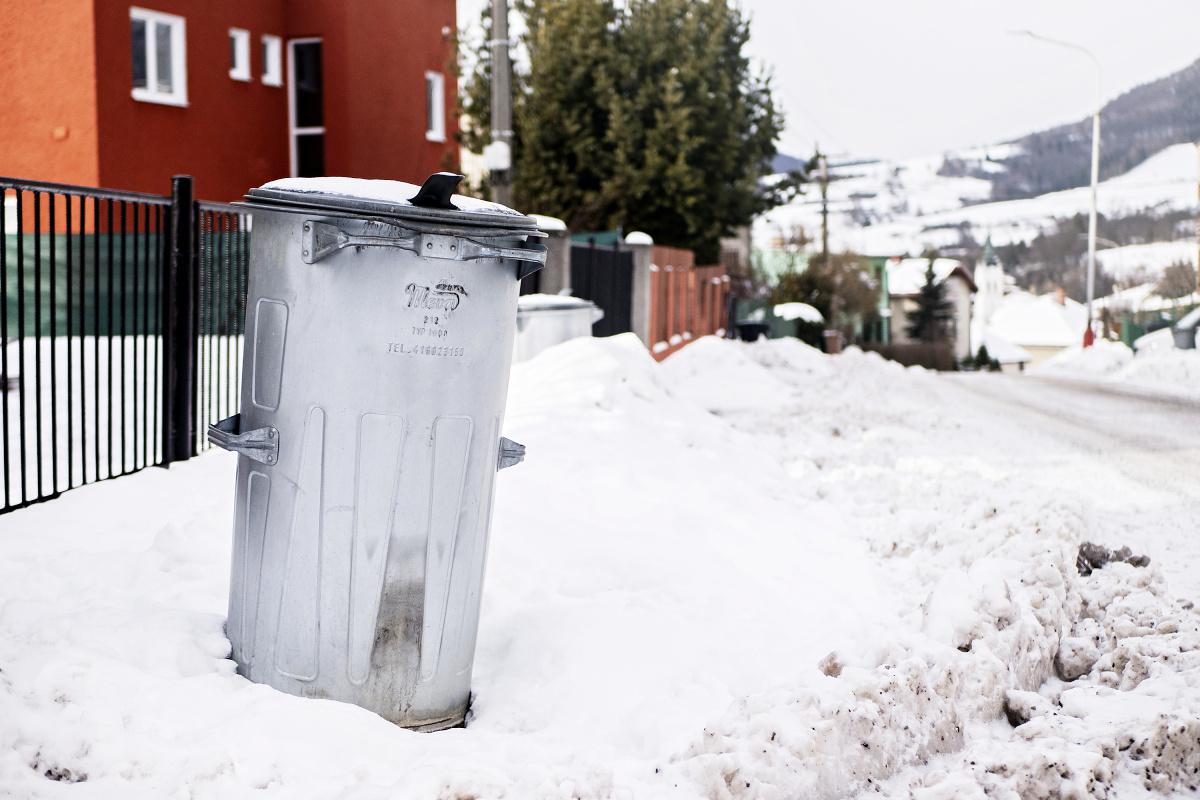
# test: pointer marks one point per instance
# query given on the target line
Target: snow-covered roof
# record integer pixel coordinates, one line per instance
(1029, 320)
(906, 276)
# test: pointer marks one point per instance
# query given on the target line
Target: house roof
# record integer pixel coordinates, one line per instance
(906, 276)
(1029, 320)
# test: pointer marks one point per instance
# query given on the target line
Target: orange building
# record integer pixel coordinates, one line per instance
(233, 92)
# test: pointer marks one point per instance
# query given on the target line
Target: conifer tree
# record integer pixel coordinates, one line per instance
(930, 320)
(646, 115)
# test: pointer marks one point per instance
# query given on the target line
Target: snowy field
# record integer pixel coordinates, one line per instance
(752, 571)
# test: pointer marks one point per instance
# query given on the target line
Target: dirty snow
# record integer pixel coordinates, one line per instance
(752, 571)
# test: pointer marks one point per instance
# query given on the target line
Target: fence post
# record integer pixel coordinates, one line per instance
(179, 326)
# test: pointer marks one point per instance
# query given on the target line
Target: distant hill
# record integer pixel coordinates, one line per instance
(786, 163)
(1134, 127)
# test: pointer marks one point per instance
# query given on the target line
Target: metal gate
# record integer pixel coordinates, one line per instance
(604, 275)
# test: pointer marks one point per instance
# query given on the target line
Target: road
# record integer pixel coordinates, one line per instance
(1131, 457)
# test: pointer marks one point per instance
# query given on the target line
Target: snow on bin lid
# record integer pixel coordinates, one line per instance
(388, 198)
(547, 302)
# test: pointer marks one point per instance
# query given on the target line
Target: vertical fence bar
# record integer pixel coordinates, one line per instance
(108, 318)
(82, 347)
(179, 306)
(137, 335)
(210, 299)
(7, 421)
(146, 403)
(53, 346)
(160, 259)
(229, 314)
(21, 344)
(121, 330)
(37, 340)
(95, 335)
(70, 399)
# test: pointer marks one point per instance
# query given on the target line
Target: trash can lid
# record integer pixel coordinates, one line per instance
(551, 302)
(432, 202)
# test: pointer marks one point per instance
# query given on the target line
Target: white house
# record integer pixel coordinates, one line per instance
(905, 278)
(1043, 325)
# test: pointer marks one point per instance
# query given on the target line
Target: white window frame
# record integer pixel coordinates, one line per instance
(294, 131)
(240, 71)
(272, 68)
(435, 127)
(178, 27)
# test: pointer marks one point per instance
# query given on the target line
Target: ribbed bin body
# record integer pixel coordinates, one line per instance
(359, 553)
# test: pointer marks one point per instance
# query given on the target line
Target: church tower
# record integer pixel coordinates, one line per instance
(991, 281)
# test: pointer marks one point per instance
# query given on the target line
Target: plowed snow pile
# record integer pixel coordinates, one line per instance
(751, 571)
(1165, 369)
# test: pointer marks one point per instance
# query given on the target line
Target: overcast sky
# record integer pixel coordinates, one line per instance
(915, 77)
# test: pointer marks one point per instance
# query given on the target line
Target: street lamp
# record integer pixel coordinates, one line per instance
(1088, 336)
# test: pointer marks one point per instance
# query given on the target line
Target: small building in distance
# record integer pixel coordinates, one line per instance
(120, 95)
(1042, 325)
(906, 276)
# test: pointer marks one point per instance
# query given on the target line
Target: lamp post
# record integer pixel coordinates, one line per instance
(1088, 336)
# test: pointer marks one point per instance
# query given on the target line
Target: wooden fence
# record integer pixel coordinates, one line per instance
(931, 356)
(686, 301)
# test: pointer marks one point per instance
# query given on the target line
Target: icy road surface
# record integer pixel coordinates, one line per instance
(752, 571)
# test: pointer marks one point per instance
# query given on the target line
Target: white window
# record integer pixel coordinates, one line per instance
(239, 54)
(435, 107)
(272, 61)
(158, 50)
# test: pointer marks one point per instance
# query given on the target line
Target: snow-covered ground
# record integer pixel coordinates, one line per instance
(1145, 262)
(752, 571)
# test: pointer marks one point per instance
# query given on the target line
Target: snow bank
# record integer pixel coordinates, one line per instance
(752, 571)
(1177, 370)
(1158, 368)
(1102, 358)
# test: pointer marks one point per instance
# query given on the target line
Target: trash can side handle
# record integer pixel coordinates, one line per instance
(320, 239)
(260, 444)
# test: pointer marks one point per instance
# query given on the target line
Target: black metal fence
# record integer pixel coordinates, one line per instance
(120, 322)
(604, 275)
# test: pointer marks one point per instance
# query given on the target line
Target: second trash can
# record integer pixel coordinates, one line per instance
(379, 333)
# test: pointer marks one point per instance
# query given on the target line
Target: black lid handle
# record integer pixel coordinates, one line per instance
(436, 191)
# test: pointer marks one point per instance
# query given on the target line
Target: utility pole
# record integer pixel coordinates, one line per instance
(823, 165)
(498, 155)
(1198, 218)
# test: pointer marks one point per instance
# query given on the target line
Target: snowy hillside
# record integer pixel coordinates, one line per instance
(904, 207)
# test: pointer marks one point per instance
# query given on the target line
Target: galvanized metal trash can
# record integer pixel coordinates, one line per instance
(379, 333)
(546, 320)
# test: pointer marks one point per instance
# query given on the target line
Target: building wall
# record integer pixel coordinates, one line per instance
(376, 54)
(959, 293)
(232, 135)
(66, 76)
(48, 130)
